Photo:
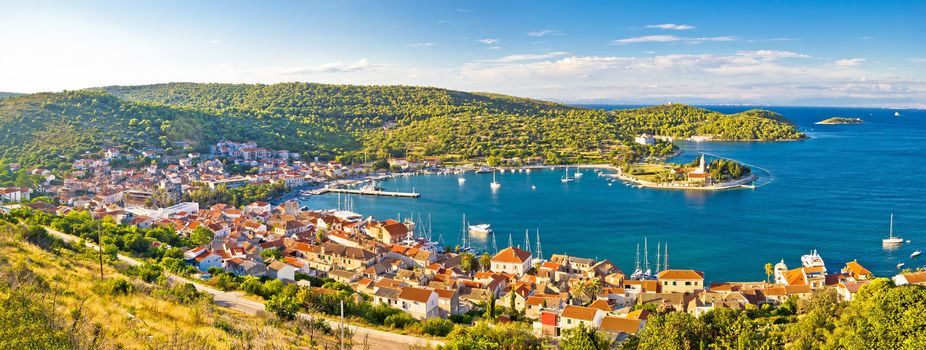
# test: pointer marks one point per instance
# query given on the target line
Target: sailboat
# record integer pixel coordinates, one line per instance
(579, 173)
(461, 180)
(495, 184)
(896, 114)
(891, 240)
(566, 177)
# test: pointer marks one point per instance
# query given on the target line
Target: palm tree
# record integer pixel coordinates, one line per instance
(769, 269)
(486, 261)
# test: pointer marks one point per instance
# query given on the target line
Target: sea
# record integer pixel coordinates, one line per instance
(833, 193)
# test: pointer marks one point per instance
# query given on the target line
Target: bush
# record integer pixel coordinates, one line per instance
(438, 327)
(399, 320)
(284, 306)
(117, 286)
(182, 293)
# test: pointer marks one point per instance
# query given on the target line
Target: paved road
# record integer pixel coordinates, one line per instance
(379, 340)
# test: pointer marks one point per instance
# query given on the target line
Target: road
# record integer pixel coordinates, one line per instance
(376, 339)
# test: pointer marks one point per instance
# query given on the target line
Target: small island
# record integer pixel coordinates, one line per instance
(839, 120)
(719, 174)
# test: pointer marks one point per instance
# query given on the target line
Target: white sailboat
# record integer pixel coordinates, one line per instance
(461, 180)
(891, 240)
(566, 177)
(579, 173)
(495, 184)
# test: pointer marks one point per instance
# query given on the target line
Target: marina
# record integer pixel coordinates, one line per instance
(600, 216)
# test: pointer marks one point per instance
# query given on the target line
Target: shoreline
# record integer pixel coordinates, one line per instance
(729, 185)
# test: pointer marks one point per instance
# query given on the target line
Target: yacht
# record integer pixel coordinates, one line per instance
(566, 177)
(915, 254)
(495, 184)
(896, 114)
(371, 187)
(892, 240)
(483, 170)
(533, 187)
(900, 265)
(480, 229)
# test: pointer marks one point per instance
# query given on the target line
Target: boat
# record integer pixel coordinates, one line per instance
(896, 114)
(528, 170)
(461, 180)
(371, 187)
(915, 254)
(483, 170)
(533, 187)
(891, 240)
(480, 229)
(579, 174)
(566, 177)
(495, 184)
(610, 184)
(900, 265)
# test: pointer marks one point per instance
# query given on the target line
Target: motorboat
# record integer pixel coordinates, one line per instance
(915, 254)
(480, 229)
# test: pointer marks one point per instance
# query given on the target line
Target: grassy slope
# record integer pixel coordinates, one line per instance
(135, 320)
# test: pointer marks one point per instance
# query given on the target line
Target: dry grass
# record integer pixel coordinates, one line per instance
(139, 320)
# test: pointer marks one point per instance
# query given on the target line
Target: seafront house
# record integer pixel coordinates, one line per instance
(918, 278)
(512, 260)
(681, 281)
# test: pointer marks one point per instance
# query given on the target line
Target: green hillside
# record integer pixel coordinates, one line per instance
(372, 122)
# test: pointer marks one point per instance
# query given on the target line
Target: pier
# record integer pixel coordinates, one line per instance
(369, 193)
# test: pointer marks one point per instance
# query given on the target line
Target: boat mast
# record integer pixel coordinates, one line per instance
(892, 225)
(658, 250)
(636, 263)
(665, 266)
(494, 246)
(510, 242)
(539, 251)
(646, 256)
(527, 241)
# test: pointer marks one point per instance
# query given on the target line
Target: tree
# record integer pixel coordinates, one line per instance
(201, 236)
(485, 261)
(883, 316)
(273, 254)
(467, 262)
(816, 322)
(769, 269)
(584, 338)
(490, 308)
(673, 330)
(282, 305)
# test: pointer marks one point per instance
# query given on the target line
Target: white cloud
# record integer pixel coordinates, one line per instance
(528, 57)
(848, 62)
(545, 32)
(489, 41)
(771, 54)
(671, 26)
(427, 44)
(214, 41)
(337, 67)
(669, 39)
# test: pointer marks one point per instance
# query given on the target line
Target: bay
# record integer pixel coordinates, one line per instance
(833, 192)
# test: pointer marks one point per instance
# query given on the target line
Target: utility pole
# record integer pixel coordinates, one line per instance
(341, 338)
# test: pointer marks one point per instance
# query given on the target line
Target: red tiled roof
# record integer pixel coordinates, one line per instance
(511, 255)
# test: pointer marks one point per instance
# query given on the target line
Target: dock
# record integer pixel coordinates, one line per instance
(370, 193)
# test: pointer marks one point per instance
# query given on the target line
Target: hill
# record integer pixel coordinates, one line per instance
(51, 298)
(8, 94)
(351, 122)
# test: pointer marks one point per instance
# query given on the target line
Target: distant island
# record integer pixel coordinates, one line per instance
(840, 120)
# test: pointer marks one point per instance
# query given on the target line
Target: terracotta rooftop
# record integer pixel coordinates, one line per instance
(681, 275)
(579, 312)
(511, 255)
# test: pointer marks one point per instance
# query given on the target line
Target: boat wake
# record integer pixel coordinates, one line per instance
(761, 179)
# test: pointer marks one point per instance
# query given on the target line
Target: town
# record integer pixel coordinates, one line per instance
(390, 262)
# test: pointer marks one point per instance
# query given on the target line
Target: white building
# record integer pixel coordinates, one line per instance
(645, 139)
(512, 260)
(15, 194)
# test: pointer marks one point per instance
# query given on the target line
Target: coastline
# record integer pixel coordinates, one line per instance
(729, 185)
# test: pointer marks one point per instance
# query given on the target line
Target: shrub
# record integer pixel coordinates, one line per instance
(117, 286)
(438, 327)
(399, 320)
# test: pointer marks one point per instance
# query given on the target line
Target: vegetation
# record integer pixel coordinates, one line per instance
(882, 316)
(349, 122)
(838, 120)
(51, 298)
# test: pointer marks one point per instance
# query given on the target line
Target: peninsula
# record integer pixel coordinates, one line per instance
(719, 174)
(840, 120)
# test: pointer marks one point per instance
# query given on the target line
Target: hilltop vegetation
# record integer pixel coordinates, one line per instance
(350, 122)
(51, 298)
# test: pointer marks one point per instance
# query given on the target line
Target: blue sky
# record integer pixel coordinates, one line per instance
(851, 53)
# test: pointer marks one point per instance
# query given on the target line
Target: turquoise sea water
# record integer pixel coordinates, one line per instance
(833, 192)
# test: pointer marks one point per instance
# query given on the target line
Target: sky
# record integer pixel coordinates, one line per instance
(824, 53)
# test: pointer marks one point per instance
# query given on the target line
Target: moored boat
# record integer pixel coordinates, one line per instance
(892, 240)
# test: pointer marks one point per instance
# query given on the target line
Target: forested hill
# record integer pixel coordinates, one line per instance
(373, 122)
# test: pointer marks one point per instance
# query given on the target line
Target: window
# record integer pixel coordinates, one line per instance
(688, 283)
(674, 283)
